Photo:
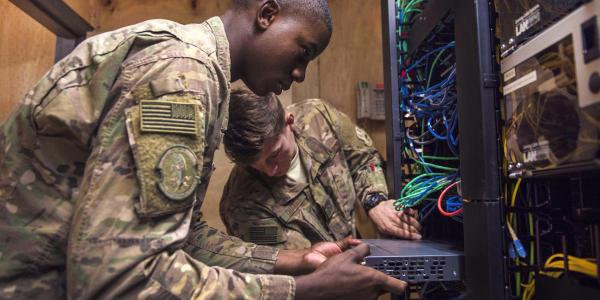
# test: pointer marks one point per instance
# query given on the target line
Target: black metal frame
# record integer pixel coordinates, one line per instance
(477, 87)
(394, 127)
(70, 28)
(480, 151)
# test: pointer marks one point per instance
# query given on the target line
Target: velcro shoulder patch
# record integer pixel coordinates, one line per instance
(168, 144)
(169, 117)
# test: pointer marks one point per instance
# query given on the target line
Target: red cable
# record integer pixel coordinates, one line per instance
(441, 199)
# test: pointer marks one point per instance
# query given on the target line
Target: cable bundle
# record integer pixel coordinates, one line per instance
(406, 11)
(428, 98)
(557, 262)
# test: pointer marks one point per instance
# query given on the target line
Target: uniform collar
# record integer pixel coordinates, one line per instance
(283, 189)
(314, 156)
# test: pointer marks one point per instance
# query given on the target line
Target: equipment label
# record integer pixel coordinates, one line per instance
(536, 152)
(519, 83)
(510, 74)
(528, 20)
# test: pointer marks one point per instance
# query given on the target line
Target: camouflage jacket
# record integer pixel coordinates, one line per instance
(103, 168)
(342, 168)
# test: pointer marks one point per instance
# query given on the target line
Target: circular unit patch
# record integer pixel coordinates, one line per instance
(177, 172)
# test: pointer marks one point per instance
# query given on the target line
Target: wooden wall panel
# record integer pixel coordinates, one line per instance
(354, 54)
(112, 14)
(210, 207)
(26, 53)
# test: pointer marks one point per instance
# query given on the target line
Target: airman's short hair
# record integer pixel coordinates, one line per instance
(317, 10)
(252, 120)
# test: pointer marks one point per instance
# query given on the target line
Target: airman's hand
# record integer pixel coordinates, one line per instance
(390, 222)
(342, 277)
(320, 252)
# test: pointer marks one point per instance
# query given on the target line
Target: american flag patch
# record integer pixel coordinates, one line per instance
(264, 234)
(168, 117)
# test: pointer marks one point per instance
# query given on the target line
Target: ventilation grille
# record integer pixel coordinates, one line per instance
(414, 269)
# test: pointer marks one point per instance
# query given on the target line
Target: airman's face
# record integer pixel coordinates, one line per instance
(276, 157)
(279, 55)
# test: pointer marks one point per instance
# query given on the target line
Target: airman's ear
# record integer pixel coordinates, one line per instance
(289, 119)
(267, 12)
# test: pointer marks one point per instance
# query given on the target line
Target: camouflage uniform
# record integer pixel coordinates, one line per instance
(341, 166)
(103, 169)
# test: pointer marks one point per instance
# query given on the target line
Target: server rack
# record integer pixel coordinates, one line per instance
(477, 88)
(559, 209)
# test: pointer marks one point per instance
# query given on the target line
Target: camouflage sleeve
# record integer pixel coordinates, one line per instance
(256, 225)
(216, 248)
(365, 163)
(129, 221)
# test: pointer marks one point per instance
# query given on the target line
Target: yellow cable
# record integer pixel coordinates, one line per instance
(513, 199)
(556, 261)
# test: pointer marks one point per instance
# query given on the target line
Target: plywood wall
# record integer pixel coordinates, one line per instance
(354, 54)
(112, 14)
(26, 53)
